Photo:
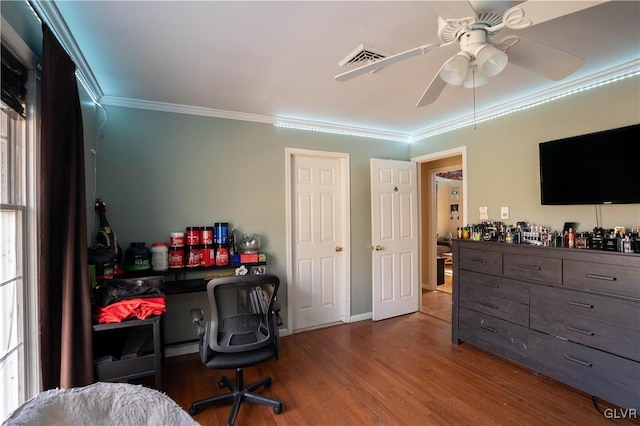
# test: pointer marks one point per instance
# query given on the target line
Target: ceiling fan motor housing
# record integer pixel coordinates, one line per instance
(489, 59)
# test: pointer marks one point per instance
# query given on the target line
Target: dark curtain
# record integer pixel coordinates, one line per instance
(64, 296)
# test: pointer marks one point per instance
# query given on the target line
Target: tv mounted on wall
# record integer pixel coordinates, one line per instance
(596, 168)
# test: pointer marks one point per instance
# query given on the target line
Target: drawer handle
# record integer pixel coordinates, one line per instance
(579, 304)
(600, 277)
(490, 285)
(478, 259)
(486, 327)
(580, 330)
(530, 267)
(489, 305)
(577, 361)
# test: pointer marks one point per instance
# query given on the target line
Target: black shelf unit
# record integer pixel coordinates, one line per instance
(176, 281)
(109, 340)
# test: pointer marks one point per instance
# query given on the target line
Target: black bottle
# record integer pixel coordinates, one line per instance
(106, 237)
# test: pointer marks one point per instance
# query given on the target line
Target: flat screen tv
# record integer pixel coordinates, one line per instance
(596, 168)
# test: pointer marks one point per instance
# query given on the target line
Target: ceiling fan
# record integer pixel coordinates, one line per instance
(481, 56)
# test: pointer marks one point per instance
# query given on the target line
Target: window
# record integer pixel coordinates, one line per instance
(19, 374)
(11, 264)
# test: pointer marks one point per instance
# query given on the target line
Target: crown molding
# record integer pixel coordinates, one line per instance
(184, 109)
(49, 13)
(317, 126)
(233, 115)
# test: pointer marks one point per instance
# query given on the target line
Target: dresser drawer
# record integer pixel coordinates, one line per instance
(612, 378)
(496, 335)
(602, 278)
(535, 268)
(601, 322)
(496, 296)
(478, 260)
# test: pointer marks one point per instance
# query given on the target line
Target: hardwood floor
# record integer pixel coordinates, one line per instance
(400, 371)
(438, 302)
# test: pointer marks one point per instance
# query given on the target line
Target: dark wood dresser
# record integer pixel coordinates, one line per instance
(570, 314)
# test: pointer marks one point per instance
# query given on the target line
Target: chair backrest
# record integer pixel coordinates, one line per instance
(242, 316)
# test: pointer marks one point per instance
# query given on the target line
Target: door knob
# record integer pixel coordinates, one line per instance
(338, 249)
(378, 248)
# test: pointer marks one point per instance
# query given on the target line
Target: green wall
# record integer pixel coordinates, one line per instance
(502, 156)
(161, 172)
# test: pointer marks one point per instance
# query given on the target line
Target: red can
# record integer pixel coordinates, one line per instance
(208, 255)
(176, 239)
(194, 234)
(176, 257)
(222, 255)
(207, 235)
(192, 256)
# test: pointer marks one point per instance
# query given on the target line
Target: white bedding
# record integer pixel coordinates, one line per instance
(101, 404)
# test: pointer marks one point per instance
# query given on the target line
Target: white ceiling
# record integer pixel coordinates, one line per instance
(262, 60)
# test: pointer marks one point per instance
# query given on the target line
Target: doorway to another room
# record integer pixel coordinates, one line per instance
(443, 201)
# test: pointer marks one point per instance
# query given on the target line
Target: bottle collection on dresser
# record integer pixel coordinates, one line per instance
(617, 239)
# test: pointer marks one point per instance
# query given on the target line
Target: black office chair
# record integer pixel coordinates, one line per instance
(242, 332)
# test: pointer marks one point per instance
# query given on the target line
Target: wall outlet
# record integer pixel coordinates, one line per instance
(504, 212)
(484, 214)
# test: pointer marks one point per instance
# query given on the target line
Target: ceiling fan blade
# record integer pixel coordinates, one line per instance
(374, 66)
(544, 60)
(534, 12)
(432, 91)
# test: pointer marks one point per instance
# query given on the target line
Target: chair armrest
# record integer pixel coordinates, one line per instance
(276, 312)
(197, 317)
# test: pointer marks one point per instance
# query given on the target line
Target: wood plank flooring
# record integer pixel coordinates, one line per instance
(400, 371)
(438, 302)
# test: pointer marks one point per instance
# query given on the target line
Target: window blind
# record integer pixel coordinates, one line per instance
(14, 79)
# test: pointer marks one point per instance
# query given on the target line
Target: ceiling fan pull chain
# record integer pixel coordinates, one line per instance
(473, 78)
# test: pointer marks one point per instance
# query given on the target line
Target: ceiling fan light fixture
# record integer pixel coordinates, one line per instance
(491, 61)
(455, 69)
(474, 78)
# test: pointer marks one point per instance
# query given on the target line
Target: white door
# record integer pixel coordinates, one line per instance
(394, 217)
(319, 245)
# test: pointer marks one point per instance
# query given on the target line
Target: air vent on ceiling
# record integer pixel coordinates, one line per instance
(363, 54)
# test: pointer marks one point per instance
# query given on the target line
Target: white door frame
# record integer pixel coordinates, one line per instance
(431, 251)
(345, 293)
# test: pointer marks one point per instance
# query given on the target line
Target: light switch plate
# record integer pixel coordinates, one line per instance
(504, 212)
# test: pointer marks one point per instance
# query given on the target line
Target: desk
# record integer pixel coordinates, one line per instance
(186, 289)
(195, 285)
(110, 339)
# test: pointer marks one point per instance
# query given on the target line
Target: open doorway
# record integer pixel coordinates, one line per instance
(443, 210)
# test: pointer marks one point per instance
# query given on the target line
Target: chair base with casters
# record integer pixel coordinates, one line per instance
(238, 394)
(242, 333)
